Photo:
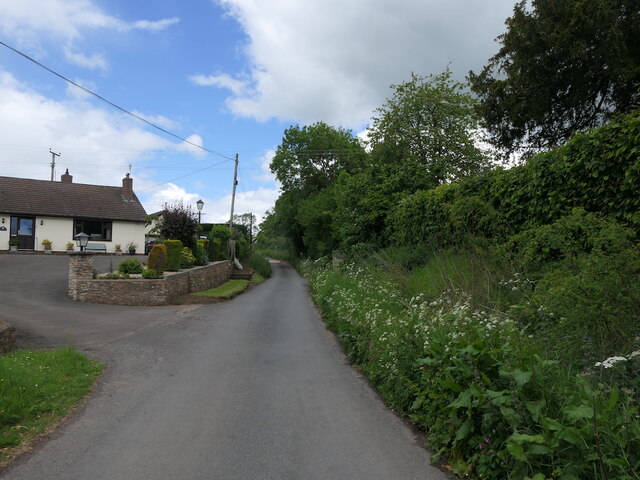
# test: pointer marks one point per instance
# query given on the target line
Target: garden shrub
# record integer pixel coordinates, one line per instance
(174, 254)
(130, 266)
(219, 237)
(157, 257)
(151, 273)
(200, 254)
(187, 260)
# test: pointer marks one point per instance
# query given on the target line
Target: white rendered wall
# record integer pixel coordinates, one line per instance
(125, 232)
(60, 231)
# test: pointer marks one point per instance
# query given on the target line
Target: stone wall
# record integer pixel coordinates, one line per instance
(146, 292)
(7, 337)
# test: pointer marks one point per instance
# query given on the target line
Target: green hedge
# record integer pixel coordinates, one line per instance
(598, 171)
(219, 237)
(174, 254)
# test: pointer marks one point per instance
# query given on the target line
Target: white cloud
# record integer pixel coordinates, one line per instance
(169, 193)
(215, 210)
(94, 61)
(191, 147)
(265, 174)
(236, 86)
(97, 146)
(252, 201)
(31, 24)
(332, 60)
(154, 26)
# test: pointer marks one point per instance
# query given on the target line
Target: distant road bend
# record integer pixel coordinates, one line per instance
(255, 388)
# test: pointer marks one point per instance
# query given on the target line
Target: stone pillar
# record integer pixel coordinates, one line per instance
(80, 269)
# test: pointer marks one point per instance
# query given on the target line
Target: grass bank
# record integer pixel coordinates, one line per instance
(37, 389)
(506, 376)
(225, 291)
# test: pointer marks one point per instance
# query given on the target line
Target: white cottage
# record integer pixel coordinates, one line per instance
(34, 210)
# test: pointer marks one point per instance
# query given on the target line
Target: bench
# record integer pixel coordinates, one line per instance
(96, 247)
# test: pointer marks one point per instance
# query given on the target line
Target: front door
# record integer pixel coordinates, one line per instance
(24, 229)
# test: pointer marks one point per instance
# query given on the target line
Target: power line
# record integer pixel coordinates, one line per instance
(157, 127)
(184, 176)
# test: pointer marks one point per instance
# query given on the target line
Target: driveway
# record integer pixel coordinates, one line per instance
(33, 297)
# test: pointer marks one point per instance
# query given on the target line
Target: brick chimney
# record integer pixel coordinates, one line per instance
(66, 178)
(127, 187)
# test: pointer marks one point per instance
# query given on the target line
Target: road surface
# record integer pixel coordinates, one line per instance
(255, 388)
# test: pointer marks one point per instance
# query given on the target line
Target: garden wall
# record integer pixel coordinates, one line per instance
(147, 292)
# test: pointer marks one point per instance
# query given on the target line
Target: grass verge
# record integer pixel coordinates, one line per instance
(227, 290)
(37, 389)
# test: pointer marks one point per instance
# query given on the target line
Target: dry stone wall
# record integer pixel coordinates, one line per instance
(83, 288)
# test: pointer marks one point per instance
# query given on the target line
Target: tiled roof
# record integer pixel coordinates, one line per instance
(58, 199)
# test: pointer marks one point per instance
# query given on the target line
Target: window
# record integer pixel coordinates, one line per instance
(96, 229)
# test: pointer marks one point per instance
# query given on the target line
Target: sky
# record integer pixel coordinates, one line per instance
(228, 75)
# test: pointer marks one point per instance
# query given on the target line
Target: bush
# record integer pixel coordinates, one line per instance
(174, 254)
(151, 274)
(200, 253)
(130, 266)
(178, 222)
(219, 237)
(157, 259)
(187, 260)
(242, 248)
(261, 265)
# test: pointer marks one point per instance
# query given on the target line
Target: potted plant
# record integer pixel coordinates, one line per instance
(132, 248)
(13, 244)
(46, 243)
(118, 250)
(69, 246)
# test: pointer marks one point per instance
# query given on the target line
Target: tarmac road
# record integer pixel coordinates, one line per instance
(255, 388)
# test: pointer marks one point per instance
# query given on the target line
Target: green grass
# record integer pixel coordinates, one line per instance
(228, 290)
(37, 389)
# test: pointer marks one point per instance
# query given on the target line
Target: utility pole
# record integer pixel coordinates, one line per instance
(233, 193)
(233, 200)
(53, 162)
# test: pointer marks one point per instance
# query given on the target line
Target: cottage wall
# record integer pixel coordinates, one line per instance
(60, 231)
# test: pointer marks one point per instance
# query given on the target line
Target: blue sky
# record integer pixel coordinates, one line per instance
(230, 75)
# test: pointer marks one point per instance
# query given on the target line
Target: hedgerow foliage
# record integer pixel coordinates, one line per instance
(505, 320)
(599, 172)
(219, 237)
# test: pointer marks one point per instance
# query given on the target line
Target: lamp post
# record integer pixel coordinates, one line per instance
(199, 204)
(82, 239)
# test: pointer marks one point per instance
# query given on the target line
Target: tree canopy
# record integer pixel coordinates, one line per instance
(310, 157)
(431, 121)
(564, 66)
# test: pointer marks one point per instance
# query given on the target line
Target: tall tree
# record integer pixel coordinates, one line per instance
(310, 157)
(564, 66)
(430, 121)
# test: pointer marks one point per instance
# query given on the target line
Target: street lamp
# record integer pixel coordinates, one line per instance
(82, 239)
(199, 204)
